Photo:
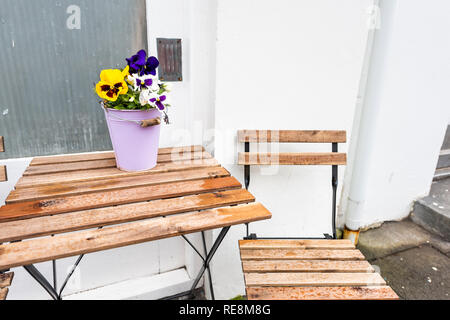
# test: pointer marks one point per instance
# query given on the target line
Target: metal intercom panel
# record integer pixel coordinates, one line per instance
(169, 56)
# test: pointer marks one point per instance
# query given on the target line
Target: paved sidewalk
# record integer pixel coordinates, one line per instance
(413, 261)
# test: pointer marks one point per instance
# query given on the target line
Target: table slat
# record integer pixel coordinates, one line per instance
(306, 266)
(3, 293)
(321, 293)
(35, 227)
(106, 163)
(293, 279)
(68, 158)
(299, 244)
(300, 254)
(83, 187)
(24, 210)
(66, 245)
(107, 173)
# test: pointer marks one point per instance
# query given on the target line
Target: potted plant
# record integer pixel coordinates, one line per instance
(133, 100)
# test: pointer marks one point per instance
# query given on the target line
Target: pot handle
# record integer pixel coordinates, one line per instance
(150, 122)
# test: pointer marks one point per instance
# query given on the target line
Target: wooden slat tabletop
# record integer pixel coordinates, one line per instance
(309, 270)
(61, 194)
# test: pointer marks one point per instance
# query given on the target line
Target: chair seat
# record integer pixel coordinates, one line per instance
(309, 270)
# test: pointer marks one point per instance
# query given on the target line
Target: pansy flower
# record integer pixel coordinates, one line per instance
(137, 62)
(144, 82)
(141, 65)
(112, 84)
(158, 101)
(150, 66)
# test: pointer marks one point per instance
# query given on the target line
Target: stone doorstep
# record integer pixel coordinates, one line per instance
(396, 236)
(433, 211)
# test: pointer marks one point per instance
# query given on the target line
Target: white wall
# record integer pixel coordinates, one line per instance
(194, 21)
(284, 65)
(405, 112)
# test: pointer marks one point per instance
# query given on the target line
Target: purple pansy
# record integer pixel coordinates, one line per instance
(158, 101)
(137, 62)
(150, 66)
(141, 65)
(144, 84)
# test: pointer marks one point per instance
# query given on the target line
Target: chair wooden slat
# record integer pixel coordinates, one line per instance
(106, 163)
(309, 136)
(321, 293)
(6, 279)
(24, 210)
(107, 173)
(318, 158)
(71, 244)
(122, 182)
(2, 144)
(47, 225)
(298, 244)
(292, 279)
(3, 174)
(306, 266)
(69, 158)
(300, 254)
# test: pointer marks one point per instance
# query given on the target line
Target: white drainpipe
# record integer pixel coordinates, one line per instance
(368, 126)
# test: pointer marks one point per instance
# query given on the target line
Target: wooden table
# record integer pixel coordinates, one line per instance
(187, 192)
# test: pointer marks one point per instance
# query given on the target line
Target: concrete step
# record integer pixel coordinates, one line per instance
(444, 159)
(442, 173)
(446, 144)
(433, 211)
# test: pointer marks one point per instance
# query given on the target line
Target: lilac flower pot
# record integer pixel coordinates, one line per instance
(135, 147)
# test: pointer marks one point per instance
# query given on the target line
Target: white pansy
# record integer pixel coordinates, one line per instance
(144, 97)
(132, 80)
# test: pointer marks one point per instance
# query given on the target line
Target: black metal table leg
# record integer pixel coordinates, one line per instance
(69, 275)
(210, 255)
(52, 290)
(31, 269)
(205, 265)
(209, 270)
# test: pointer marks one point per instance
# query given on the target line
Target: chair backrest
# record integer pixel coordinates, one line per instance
(333, 158)
(292, 136)
(3, 176)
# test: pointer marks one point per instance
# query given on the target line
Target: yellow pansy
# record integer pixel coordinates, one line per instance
(112, 84)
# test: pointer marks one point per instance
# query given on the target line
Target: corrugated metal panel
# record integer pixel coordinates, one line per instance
(47, 102)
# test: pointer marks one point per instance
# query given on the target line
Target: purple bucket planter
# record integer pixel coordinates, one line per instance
(135, 147)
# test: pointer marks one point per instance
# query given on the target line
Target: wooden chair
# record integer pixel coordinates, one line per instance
(304, 268)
